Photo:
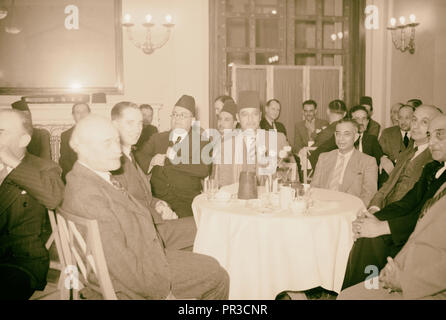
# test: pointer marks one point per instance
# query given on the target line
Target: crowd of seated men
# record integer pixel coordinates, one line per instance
(124, 174)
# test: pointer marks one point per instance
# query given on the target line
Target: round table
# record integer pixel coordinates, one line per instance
(266, 253)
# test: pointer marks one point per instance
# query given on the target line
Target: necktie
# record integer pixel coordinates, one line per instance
(337, 174)
(429, 203)
(171, 154)
(406, 140)
(3, 174)
(358, 142)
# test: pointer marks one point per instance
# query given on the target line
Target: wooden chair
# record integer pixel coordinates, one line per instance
(82, 255)
(55, 238)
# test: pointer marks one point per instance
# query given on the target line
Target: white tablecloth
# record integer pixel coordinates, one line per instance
(265, 254)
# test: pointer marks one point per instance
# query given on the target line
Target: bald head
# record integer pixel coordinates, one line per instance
(421, 120)
(15, 131)
(96, 142)
(437, 138)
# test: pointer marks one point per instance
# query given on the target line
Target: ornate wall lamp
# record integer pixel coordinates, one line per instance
(148, 47)
(404, 40)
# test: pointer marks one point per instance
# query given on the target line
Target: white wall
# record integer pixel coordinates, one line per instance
(180, 67)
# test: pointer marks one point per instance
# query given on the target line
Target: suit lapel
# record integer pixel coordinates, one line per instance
(9, 192)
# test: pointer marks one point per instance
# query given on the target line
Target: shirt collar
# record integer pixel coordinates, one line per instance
(403, 133)
(102, 174)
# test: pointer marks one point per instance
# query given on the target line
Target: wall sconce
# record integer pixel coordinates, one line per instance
(404, 43)
(148, 47)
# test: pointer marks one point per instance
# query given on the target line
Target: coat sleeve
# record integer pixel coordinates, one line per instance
(408, 202)
(44, 184)
(298, 141)
(370, 182)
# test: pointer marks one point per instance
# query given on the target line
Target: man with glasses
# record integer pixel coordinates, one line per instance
(418, 270)
(382, 233)
(174, 159)
(346, 169)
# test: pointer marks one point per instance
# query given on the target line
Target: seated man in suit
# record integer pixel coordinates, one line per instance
(246, 144)
(385, 232)
(67, 155)
(148, 129)
(28, 185)
(410, 162)
(140, 262)
(374, 127)
(395, 140)
(176, 182)
(219, 102)
(227, 118)
(306, 130)
(272, 113)
(39, 145)
(346, 169)
(418, 270)
(179, 233)
(394, 113)
(365, 143)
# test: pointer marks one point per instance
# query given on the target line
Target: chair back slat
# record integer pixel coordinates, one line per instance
(88, 254)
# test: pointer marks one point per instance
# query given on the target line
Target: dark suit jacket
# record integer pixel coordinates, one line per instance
(403, 215)
(402, 178)
(391, 142)
(40, 145)
(301, 133)
(135, 255)
(177, 184)
(264, 124)
(370, 146)
(146, 133)
(67, 155)
(33, 185)
(373, 128)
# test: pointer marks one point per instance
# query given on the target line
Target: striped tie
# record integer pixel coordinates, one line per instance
(337, 173)
(429, 203)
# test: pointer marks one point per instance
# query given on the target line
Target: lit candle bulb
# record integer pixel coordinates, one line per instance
(340, 35)
(402, 20)
(333, 37)
(127, 18)
(168, 18)
(412, 18)
(148, 18)
(393, 22)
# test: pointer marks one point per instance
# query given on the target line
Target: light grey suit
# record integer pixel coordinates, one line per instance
(422, 262)
(360, 176)
(140, 266)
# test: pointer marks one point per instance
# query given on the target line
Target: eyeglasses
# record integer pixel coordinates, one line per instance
(439, 135)
(180, 116)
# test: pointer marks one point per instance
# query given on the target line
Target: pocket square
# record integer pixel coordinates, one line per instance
(23, 192)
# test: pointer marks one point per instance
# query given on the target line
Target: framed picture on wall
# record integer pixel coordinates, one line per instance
(61, 46)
